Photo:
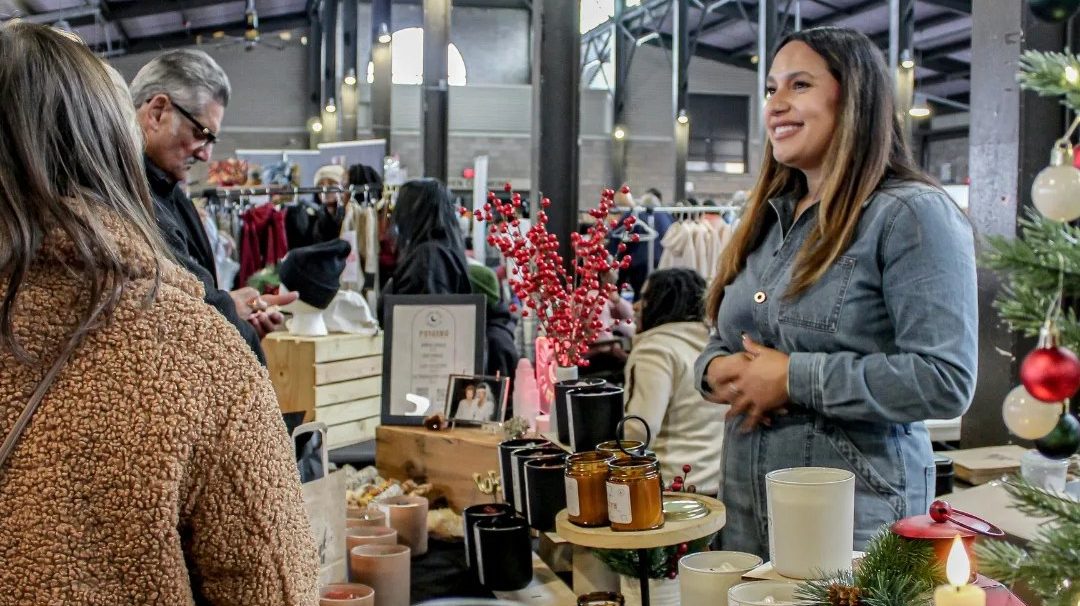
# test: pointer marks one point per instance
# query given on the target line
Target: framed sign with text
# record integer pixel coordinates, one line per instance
(428, 338)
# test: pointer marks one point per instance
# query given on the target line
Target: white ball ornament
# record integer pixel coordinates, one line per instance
(1056, 190)
(1029, 418)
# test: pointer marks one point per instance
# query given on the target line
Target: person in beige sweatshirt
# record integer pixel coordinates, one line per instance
(145, 460)
(660, 380)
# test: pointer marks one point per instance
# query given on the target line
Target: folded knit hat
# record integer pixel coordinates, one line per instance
(314, 271)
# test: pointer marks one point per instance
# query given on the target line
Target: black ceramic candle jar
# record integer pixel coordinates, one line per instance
(503, 553)
(545, 491)
(506, 449)
(474, 514)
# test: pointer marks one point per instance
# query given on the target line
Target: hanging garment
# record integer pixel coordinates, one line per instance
(704, 250)
(679, 250)
(262, 240)
(300, 224)
(223, 247)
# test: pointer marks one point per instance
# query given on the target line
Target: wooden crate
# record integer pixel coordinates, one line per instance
(447, 459)
(336, 379)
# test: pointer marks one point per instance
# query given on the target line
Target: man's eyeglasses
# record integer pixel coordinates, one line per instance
(207, 136)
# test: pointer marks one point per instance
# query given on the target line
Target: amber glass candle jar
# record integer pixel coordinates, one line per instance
(586, 496)
(634, 447)
(634, 496)
(601, 598)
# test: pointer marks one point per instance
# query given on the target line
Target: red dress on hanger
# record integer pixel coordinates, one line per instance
(262, 240)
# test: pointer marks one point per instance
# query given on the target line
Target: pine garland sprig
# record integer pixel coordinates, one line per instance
(1045, 73)
(894, 572)
(1051, 560)
(661, 560)
(1030, 266)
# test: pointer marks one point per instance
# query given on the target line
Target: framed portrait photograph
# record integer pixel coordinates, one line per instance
(428, 338)
(474, 400)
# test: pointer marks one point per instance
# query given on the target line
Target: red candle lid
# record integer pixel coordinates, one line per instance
(924, 527)
(944, 522)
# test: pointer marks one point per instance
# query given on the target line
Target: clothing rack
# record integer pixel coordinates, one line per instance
(243, 192)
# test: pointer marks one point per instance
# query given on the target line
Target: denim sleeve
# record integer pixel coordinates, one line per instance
(714, 349)
(930, 291)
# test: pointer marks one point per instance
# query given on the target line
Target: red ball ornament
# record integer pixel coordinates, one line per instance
(940, 511)
(625, 189)
(508, 188)
(686, 468)
(1050, 373)
(545, 202)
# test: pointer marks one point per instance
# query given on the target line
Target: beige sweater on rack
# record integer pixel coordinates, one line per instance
(660, 387)
(157, 470)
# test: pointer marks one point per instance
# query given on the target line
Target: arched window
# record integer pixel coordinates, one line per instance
(407, 50)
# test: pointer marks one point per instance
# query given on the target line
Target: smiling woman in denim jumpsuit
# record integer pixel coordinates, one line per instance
(846, 304)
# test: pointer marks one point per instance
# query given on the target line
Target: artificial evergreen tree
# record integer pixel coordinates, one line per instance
(1041, 273)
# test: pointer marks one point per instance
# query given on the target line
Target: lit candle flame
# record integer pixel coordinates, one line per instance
(958, 566)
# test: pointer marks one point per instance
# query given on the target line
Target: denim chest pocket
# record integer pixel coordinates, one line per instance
(818, 308)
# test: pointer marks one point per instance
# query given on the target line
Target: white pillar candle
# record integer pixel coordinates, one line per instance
(706, 577)
(957, 570)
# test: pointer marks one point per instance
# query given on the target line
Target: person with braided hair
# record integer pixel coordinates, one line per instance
(660, 381)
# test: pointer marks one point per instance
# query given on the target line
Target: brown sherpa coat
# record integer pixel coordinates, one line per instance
(157, 470)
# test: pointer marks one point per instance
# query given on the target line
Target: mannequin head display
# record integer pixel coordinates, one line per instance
(314, 273)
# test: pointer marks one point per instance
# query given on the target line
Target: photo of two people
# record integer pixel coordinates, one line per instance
(476, 399)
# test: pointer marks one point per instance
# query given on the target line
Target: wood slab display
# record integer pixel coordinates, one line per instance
(445, 458)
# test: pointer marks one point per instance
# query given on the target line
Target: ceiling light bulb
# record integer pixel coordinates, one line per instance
(754, 59)
(683, 118)
(350, 77)
(331, 107)
(384, 34)
(619, 133)
(919, 112)
(303, 40)
(316, 127)
(907, 64)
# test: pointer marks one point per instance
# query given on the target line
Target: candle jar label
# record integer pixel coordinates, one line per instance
(618, 503)
(573, 503)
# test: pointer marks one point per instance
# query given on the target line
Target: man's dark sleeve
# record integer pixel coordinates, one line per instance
(216, 298)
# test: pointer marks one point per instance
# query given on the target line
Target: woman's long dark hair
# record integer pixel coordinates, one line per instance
(672, 295)
(867, 147)
(423, 212)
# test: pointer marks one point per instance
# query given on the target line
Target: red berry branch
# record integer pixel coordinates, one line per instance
(567, 304)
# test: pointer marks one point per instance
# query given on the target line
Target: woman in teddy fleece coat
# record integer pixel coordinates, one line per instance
(144, 458)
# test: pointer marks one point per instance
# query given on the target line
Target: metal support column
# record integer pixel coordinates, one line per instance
(1011, 135)
(382, 80)
(348, 68)
(556, 72)
(315, 101)
(768, 36)
(330, 114)
(902, 57)
(680, 84)
(434, 112)
(622, 46)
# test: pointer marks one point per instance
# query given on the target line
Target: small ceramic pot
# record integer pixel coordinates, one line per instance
(408, 516)
(347, 594)
(385, 568)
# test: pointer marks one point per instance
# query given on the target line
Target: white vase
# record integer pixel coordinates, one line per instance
(662, 592)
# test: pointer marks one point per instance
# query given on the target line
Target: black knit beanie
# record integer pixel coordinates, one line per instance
(314, 271)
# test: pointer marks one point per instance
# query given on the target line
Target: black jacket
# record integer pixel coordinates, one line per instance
(431, 268)
(184, 234)
(502, 354)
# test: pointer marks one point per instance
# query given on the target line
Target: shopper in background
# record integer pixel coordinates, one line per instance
(180, 99)
(639, 268)
(660, 382)
(431, 251)
(331, 212)
(501, 357)
(847, 297)
(148, 463)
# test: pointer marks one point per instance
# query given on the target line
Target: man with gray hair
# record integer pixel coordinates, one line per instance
(180, 100)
